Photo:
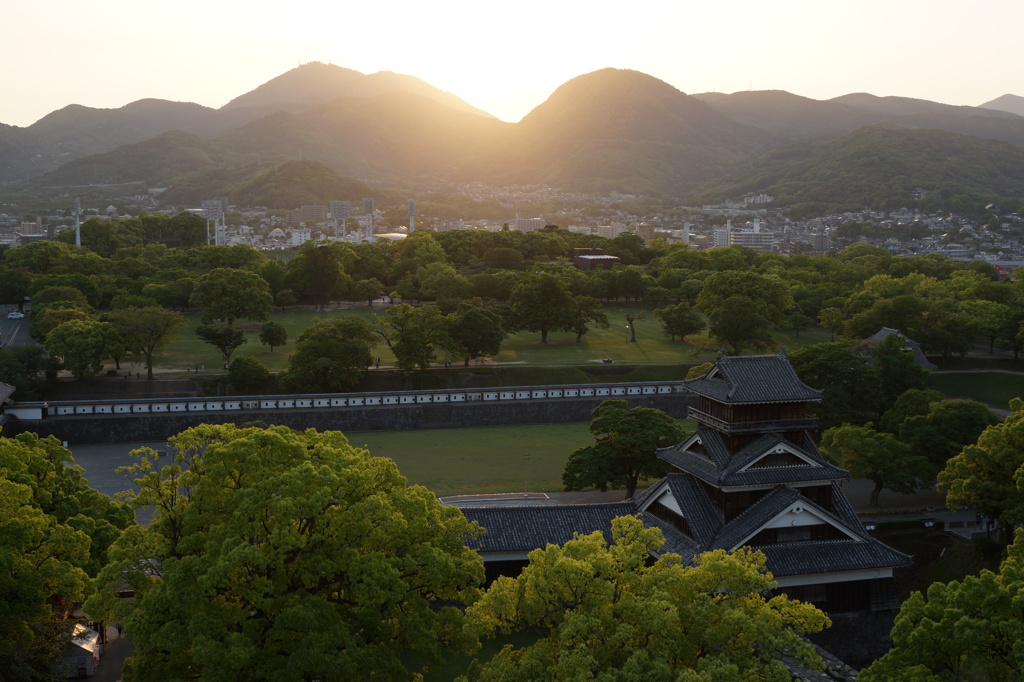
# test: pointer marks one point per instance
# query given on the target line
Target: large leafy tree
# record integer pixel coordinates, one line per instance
(876, 456)
(962, 630)
(680, 320)
(223, 337)
(146, 331)
(587, 310)
(273, 334)
(769, 294)
(228, 294)
(542, 303)
(330, 356)
(54, 535)
(473, 332)
(275, 554)
(625, 449)
(30, 369)
(737, 322)
(946, 429)
(84, 346)
(412, 333)
(605, 612)
(850, 387)
(989, 475)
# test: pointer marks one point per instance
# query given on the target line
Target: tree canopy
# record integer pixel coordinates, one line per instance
(276, 554)
(602, 611)
(330, 356)
(962, 630)
(55, 533)
(625, 449)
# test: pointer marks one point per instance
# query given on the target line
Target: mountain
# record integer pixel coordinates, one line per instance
(1014, 104)
(150, 162)
(282, 186)
(318, 83)
(390, 136)
(907, 106)
(77, 131)
(880, 166)
(794, 118)
(617, 130)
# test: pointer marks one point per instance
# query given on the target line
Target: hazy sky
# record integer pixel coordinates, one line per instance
(505, 58)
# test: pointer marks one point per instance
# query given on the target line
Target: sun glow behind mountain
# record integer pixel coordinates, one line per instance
(503, 58)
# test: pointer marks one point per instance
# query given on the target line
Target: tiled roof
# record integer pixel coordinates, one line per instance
(703, 517)
(829, 556)
(5, 391)
(755, 516)
(723, 470)
(675, 541)
(522, 529)
(753, 379)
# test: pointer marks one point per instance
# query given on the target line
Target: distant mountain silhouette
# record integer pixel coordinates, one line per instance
(390, 136)
(287, 185)
(77, 131)
(1011, 103)
(879, 166)
(610, 130)
(617, 130)
(317, 83)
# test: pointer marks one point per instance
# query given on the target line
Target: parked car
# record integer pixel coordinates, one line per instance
(15, 315)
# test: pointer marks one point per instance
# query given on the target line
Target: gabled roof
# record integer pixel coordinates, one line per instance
(5, 391)
(523, 529)
(908, 344)
(753, 379)
(830, 556)
(703, 518)
(721, 469)
(761, 513)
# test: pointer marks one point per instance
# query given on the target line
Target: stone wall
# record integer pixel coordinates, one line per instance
(133, 428)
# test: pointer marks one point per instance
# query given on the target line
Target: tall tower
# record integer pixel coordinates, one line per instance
(368, 211)
(340, 209)
(78, 223)
(412, 215)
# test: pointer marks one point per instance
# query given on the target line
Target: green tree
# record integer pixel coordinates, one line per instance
(54, 534)
(14, 286)
(850, 387)
(737, 322)
(146, 331)
(46, 318)
(697, 371)
(273, 334)
(831, 319)
(587, 310)
(30, 369)
(84, 346)
(227, 294)
(625, 448)
(365, 290)
(275, 554)
(247, 373)
(607, 612)
(223, 337)
(876, 456)
(474, 332)
(330, 356)
(680, 320)
(962, 630)
(947, 427)
(989, 475)
(412, 333)
(542, 302)
(768, 294)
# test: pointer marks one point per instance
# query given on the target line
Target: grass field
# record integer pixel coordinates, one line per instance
(992, 388)
(652, 346)
(496, 459)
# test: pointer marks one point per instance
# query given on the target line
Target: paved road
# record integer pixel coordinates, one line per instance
(14, 332)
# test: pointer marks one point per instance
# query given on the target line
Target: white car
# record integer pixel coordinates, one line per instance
(15, 315)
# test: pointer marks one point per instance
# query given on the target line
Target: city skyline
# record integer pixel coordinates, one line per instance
(504, 60)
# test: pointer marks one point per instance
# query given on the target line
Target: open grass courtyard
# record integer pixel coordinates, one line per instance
(188, 352)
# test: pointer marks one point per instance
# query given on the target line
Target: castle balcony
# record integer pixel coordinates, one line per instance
(761, 426)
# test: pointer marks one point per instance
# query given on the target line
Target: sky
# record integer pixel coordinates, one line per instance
(505, 58)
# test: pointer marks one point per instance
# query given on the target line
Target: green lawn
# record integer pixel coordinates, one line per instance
(992, 388)
(652, 346)
(494, 459)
